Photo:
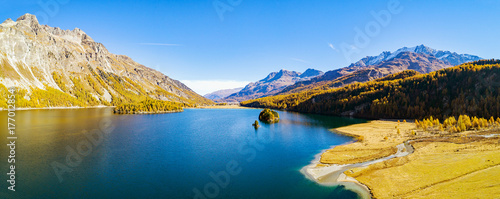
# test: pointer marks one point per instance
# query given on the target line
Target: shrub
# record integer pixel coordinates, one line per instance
(269, 116)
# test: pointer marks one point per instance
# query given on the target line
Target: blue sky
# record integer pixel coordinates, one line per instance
(214, 44)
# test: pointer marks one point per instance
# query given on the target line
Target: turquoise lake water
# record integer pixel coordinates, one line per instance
(199, 153)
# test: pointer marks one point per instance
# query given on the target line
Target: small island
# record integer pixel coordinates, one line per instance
(256, 124)
(269, 116)
(149, 106)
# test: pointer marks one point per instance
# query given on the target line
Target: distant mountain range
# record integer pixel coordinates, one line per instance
(54, 67)
(220, 94)
(272, 84)
(468, 89)
(451, 58)
(421, 58)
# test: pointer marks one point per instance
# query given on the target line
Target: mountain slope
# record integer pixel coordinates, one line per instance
(451, 58)
(216, 95)
(430, 58)
(421, 63)
(272, 84)
(471, 88)
(43, 61)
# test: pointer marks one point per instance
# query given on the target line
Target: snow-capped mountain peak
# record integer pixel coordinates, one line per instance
(452, 58)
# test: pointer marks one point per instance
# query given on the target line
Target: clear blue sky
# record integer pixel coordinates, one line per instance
(189, 41)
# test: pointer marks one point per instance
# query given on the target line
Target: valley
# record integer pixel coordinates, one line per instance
(153, 100)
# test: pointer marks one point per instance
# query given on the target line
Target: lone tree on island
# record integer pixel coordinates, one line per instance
(256, 124)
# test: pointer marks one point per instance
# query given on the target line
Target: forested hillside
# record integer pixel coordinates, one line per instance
(149, 106)
(51, 67)
(420, 58)
(472, 89)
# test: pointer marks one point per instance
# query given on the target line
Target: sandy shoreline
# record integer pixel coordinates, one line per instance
(333, 176)
(381, 160)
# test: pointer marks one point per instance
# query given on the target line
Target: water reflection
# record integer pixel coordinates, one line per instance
(167, 155)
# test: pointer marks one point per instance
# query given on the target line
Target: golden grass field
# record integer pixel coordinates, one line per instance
(371, 142)
(442, 166)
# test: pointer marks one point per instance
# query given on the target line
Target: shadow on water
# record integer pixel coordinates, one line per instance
(316, 120)
(169, 155)
(343, 192)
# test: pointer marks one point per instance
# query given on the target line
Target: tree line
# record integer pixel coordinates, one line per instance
(89, 90)
(463, 123)
(468, 89)
(149, 106)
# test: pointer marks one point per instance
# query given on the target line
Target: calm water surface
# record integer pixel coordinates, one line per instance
(209, 152)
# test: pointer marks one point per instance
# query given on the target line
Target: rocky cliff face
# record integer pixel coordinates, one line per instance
(38, 57)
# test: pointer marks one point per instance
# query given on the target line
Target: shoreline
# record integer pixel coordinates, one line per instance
(151, 113)
(386, 154)
(56, 108)
(336, 170)
(102, 106)
(221, 107)
(333, 174)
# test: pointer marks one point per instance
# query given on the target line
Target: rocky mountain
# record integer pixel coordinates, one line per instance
(453, 91)
(47, 63)
(272, 84)
(310, 73)
(419, 58)
(217, 95)
(420, 63)
(451, 58)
